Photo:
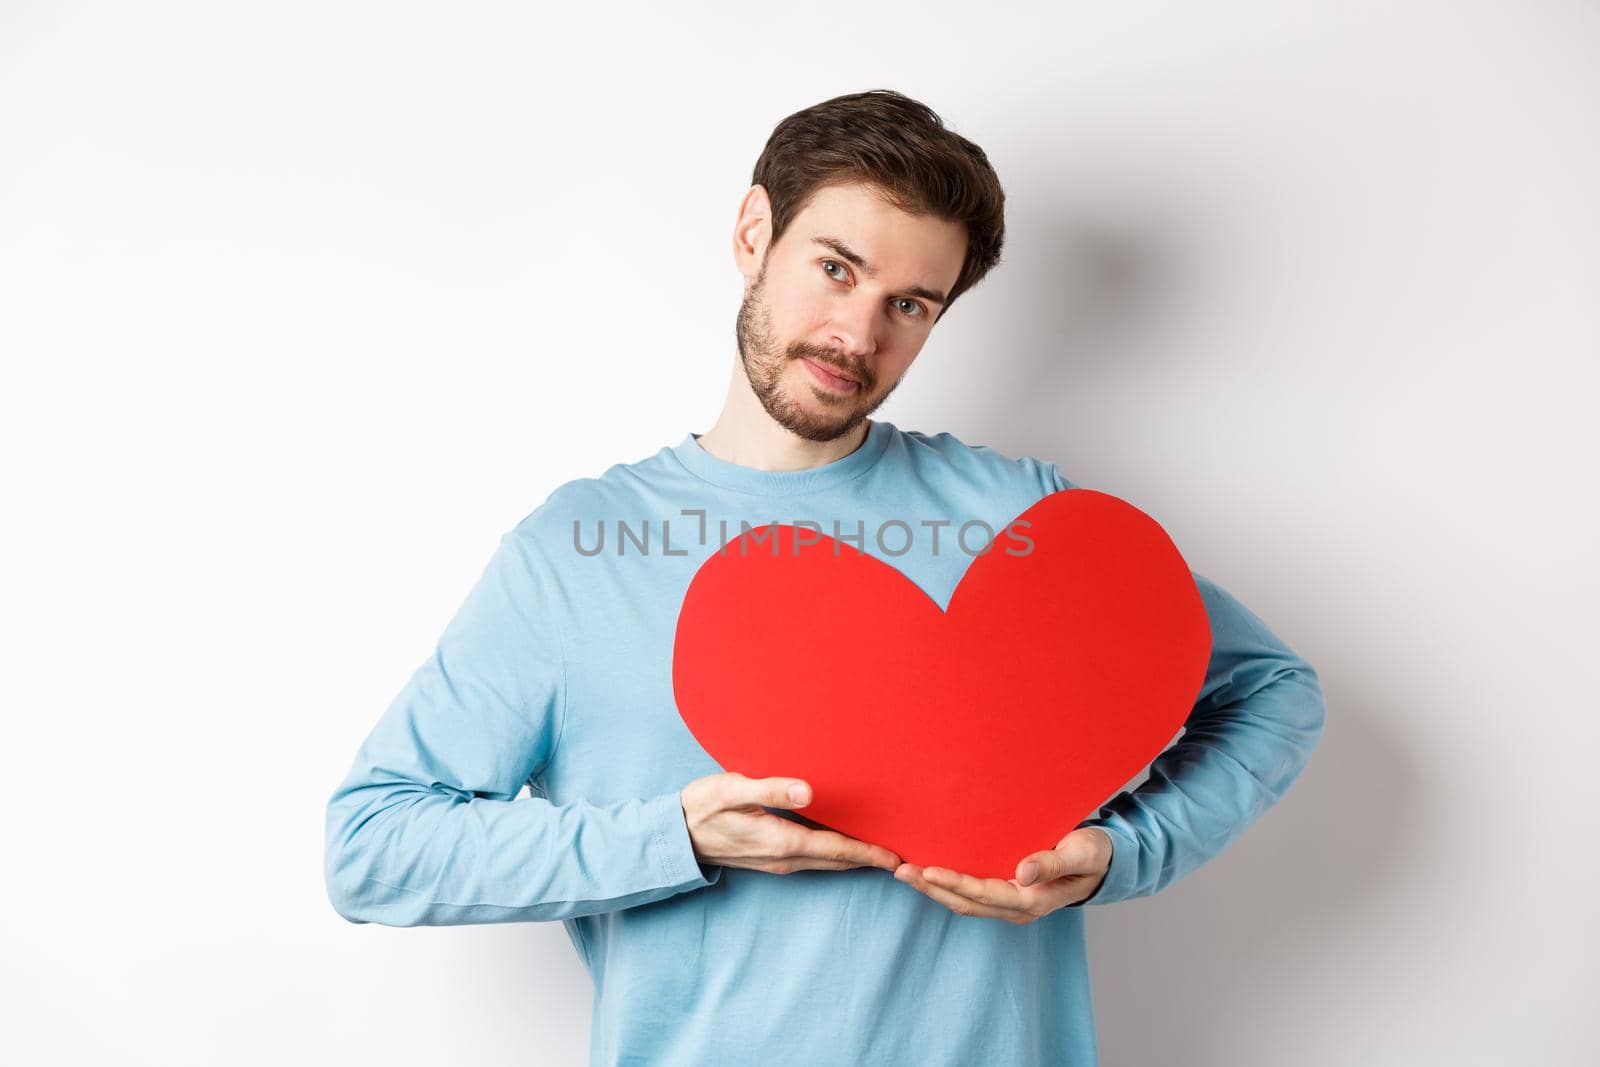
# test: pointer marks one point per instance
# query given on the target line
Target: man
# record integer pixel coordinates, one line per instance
(717, 931)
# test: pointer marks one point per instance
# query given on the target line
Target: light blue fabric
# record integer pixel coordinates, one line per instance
(555, 675)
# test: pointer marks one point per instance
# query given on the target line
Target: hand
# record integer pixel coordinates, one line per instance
(728, 827)
(1070, 872)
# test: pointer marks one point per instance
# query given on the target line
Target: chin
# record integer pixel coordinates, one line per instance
(823, 406)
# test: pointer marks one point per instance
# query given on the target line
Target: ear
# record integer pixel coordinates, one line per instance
(752, 231)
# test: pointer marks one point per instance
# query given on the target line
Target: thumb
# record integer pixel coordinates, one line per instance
(1040, 867)
(1078, 853)
(783, 792)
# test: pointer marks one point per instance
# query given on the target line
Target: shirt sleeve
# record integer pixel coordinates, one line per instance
(1255, 722)
(427, 828)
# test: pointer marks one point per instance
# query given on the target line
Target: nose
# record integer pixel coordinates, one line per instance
(851, 334)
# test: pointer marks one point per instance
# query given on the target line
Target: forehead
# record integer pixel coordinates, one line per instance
(896, 244)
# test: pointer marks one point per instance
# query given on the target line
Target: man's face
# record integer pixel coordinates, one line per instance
(812, 310)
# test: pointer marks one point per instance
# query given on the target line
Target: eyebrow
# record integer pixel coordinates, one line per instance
(844, 251)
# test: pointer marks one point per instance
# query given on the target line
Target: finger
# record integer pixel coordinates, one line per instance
(786, 793)
(804, 864)
(1078, 853)
(989, 891)
(830, 844)
(1045, 866)
(1091, 847)
(957, 903)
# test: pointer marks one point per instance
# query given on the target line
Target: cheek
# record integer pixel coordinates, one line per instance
(901, 359)
(799, 307)
(806, 317)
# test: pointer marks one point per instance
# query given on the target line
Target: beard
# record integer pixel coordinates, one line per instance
(815, 414)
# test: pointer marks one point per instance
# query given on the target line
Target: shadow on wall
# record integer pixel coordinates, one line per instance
(1242, 946)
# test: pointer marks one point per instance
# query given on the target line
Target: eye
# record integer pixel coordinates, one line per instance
(912, 309)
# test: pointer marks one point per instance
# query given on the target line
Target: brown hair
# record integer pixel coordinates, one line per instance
(900, 145)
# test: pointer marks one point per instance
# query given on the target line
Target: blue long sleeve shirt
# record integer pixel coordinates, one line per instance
(554, 677)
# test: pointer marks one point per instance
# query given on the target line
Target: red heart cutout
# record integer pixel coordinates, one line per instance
(1068, 657)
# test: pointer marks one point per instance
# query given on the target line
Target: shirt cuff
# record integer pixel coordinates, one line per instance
(671, 846)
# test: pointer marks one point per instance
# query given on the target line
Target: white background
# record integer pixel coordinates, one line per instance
(303, 304)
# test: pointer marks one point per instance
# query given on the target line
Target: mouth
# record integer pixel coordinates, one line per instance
(831, 378)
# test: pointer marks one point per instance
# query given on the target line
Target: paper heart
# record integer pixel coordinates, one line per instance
(968, 737)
